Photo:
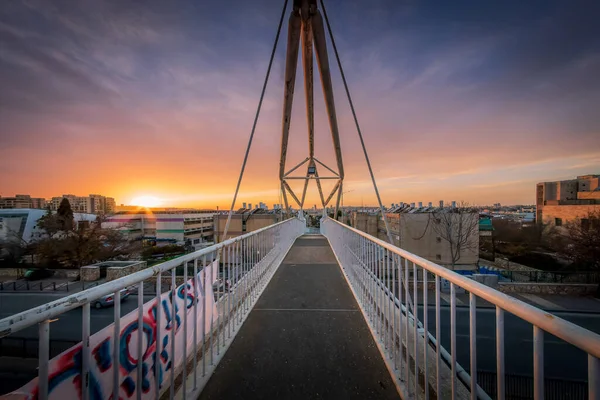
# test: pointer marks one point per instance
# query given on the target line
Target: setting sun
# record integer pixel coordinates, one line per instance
(146, 201)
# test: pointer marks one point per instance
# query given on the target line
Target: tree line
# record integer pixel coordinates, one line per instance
(66, 243)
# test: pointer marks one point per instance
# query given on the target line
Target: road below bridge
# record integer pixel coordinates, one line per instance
(562, 360)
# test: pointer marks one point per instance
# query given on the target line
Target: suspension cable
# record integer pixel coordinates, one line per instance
(262, 95)
(362, 142)
(410, 305)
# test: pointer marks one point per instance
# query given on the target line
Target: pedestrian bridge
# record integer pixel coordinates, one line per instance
(278, 313)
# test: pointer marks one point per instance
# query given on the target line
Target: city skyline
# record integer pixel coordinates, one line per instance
(458, 102)
(152, 202)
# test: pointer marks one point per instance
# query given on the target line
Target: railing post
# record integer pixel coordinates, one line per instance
(425, 334)
(173, 295)
(453, 337)
(44, 353)
(185, 329)
(593, 377)
(500, 353)
(473, 340)
(140, 338)
(196, 281)
(538, 363)
(438, 337)
(157, 370)
(415, 328)
(85, 352)
(116, 343)
(406, 294)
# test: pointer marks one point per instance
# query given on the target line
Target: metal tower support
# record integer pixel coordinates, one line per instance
(306, 23)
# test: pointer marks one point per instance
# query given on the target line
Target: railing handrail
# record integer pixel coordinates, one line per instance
(47, 311)
(580, 337)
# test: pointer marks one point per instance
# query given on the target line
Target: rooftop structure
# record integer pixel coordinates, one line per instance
(561, 201)
(91, 204)
(22, 201)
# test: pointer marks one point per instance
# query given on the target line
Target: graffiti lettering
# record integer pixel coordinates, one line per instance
(157, 360)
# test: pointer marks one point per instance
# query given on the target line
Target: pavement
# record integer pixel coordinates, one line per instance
(305, 338)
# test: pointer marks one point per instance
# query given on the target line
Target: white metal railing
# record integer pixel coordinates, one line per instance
(188, 326)
(381, 276)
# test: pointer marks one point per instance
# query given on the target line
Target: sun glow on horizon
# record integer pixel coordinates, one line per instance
(146, 201)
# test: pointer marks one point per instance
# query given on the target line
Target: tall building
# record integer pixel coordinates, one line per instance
(92, 204)
(22, 201)
(561, 201)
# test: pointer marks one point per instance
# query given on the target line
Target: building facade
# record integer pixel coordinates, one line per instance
(563, 201)
(185, 227)
(92, 204)
(22, 201)
(243, 221)
(20, 224)
(424, 231)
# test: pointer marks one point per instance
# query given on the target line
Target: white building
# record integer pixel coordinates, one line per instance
(179, 227)
(20, 224)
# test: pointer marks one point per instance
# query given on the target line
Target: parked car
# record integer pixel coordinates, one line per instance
(37, 274)
(109, 299)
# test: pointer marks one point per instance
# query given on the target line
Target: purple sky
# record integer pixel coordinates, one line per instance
(463, 100)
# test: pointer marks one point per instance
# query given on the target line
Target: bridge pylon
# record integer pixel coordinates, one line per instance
(306, 31)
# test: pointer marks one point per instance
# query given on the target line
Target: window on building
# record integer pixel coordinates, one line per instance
(558, 221)
(438, 239)
(438, 256)
(585, 224)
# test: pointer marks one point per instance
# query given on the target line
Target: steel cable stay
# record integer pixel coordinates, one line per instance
(262, 96)
(362, 142)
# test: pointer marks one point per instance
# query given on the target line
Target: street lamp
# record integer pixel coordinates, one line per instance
(347, 191)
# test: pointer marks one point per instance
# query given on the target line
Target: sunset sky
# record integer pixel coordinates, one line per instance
(458, 100)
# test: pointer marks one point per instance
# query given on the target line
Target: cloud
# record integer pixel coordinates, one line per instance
(128, 97)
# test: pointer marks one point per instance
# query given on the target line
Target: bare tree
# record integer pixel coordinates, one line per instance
(581, 241)
(85, 243)
(459, 227)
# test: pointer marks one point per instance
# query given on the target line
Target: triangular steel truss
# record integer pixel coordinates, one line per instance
(306, 22)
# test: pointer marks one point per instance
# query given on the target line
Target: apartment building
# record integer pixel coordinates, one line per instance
(183, 227)
(22, 201)
(93, 203)
(562, 201)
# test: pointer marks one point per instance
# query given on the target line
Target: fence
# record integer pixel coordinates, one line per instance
(22, 286)
(589, 277)
(181, 333)
(372, 266)
(519, 387)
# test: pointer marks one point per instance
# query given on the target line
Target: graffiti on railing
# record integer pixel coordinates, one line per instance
(64, 379)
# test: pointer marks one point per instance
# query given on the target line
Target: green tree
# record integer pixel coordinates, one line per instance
(65, 215)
